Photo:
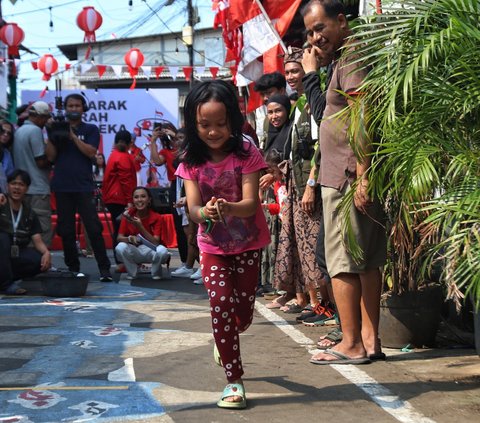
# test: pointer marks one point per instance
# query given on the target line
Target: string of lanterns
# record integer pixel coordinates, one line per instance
(88, 20)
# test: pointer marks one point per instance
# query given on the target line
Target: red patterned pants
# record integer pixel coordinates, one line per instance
(231, 282)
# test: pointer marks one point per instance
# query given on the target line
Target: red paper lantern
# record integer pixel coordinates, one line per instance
(134, 59)
(48, 65)
(12, 35)
(89, 20)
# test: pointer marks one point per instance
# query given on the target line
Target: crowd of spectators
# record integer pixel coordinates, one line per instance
(306, 270)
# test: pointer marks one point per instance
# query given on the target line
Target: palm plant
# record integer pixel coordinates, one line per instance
(423, 93)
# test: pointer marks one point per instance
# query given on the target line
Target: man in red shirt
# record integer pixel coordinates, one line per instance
(119, 180)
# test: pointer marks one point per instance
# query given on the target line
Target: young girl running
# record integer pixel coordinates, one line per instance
(221, 173)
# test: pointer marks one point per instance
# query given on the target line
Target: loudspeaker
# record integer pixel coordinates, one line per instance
(161, 200)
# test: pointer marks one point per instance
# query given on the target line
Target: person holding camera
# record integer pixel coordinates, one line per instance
(166, 155)
(30, 154)
(72, 151)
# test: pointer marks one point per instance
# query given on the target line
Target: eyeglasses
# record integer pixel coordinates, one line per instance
(3, 131)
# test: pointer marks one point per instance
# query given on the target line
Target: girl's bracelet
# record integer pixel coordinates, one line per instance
(207, 221)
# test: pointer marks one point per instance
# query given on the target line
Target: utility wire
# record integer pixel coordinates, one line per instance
(42, 9)
(176, 36)
(147, 17)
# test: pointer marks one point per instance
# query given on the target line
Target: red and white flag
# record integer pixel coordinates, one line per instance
(258, 47)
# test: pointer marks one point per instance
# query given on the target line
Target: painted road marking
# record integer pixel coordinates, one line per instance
(66, 388)
(399, 409)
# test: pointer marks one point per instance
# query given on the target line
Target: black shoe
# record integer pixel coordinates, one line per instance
(305, 315)
(105, 276)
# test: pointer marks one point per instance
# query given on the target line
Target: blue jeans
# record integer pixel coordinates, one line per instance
(26, 265)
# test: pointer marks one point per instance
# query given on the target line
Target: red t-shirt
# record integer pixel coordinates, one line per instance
(120, 178)
(138, 157)
(169, 157)
(152, 223)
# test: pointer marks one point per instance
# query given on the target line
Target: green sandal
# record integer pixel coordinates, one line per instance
(233, 390)
(216, 356)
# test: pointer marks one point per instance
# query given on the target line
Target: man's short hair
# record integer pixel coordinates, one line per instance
(270, 80)
(24, 176)
(332, 8)
(123, 135)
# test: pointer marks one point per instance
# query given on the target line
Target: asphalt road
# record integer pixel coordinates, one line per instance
(142, 352)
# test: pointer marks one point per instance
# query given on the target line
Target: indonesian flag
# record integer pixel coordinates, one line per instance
(258, 40)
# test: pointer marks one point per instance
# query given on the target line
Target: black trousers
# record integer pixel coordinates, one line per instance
(83, 203)
(182, 242)
(11, 269)
(116, 211)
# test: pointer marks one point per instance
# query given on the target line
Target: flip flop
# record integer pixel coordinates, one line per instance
(277, 302)
(377, 357)
(340, 359)
(294, 309)
(14, 289)
(270, 295)
(335, 337)
(233, 390)
(216, 356)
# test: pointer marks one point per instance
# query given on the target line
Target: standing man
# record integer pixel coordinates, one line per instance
(73, 184)
(356, 283)
(29, 153)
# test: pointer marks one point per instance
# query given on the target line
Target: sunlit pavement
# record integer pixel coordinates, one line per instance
(142, 351)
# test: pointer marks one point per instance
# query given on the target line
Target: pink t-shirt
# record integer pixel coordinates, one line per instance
(224, 180)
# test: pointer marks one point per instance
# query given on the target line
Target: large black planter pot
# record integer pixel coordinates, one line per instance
(476, 325)
(411, 318)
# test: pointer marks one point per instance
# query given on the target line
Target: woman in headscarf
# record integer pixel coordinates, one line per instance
(278, 114)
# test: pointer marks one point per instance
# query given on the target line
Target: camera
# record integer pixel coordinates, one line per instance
(59, 129)
(304, 142)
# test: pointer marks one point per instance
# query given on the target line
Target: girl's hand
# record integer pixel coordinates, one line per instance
(210, 210)
(223, 208)
(266, 181)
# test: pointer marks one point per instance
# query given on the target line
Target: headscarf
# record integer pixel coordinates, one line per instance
(277, 137)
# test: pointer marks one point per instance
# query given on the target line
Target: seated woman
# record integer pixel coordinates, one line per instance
(139, 237)
(18, 226)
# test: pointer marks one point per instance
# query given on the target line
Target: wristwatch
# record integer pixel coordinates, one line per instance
(311, 182)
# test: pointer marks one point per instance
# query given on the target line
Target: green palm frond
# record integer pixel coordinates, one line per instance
(423, 97)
